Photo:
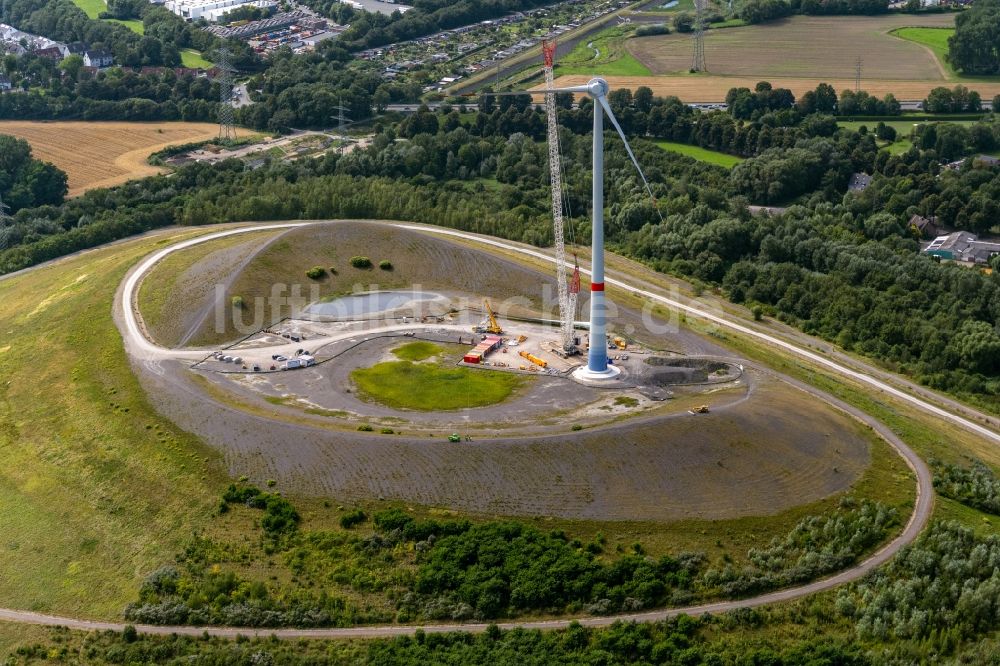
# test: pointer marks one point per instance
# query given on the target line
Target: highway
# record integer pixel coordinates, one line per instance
(139, 345)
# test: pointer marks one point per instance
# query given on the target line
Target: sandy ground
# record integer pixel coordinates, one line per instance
(103, 154)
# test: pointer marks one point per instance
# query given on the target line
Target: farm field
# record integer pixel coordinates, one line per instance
(104, 154)
(714, 88)
(903, 55)
(702, 154)
(802, 46)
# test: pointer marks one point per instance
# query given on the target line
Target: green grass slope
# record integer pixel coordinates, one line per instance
(95, 488)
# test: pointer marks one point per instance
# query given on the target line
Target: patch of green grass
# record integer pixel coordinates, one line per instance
(701, 154)
(92, 8)
(434, 386)
(934, 38)
(983, 523)
(659, 8)
(418, 351)
(605, 54)
(96, 488)
(134, 25)
(194, 59)
(728, 23)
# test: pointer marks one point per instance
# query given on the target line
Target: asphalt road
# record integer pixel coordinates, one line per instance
(139, 345)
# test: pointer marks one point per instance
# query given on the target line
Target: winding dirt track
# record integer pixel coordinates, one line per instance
(923, 504)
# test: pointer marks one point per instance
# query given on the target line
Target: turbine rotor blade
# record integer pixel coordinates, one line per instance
(614, 121)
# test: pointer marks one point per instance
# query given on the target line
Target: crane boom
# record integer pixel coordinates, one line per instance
(566, 314)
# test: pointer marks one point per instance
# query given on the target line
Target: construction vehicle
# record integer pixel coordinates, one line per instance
(700, 409)
(521, 338)
(534, 359)
(620, 343)
(454, 437)
(490, 325)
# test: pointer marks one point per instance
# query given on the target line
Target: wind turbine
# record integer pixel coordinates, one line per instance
(597, 368)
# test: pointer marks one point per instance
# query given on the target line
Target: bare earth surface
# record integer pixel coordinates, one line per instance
(816, 47)
(103, 154)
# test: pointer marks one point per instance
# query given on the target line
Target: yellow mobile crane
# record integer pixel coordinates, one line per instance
(491, 325)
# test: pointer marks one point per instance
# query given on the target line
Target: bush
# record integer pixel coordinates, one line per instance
(385, 265)
(361, 262)
(365, 428)
(238, 302)
(650, 30)
(315, 273)
(352, 518)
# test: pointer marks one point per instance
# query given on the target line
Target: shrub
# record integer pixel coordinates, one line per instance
(237, 302)
(650, 30)
(361, 262)
(352, 518)
(315, 273)
(365, 428)
(385, 265)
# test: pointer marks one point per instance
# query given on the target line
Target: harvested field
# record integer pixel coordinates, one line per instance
(714, 88)
(104, 154)
(817, 47)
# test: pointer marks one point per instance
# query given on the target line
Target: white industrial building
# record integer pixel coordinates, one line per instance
(211, 10)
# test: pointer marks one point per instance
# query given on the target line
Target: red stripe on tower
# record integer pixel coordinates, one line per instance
(597, 286)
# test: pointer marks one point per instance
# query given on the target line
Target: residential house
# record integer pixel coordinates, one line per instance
(99, 58)
(52, 53)
(927, 227)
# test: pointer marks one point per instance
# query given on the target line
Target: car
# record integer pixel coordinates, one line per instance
(274, 357)
(279, 357)
(299, 352)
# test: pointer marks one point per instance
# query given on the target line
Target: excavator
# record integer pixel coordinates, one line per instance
(491, 325)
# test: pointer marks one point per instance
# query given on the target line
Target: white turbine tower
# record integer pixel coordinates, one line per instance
(597, 367)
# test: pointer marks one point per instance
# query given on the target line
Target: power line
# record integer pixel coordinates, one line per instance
(698, 63)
